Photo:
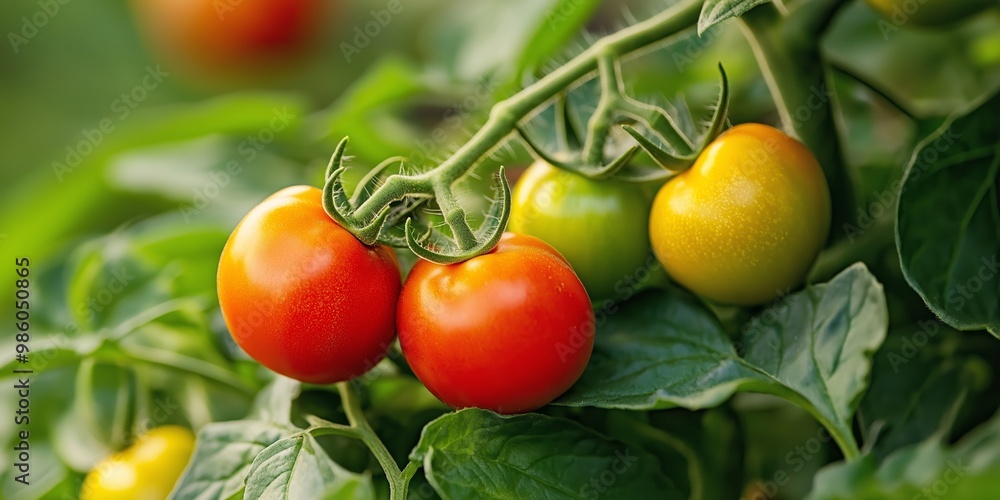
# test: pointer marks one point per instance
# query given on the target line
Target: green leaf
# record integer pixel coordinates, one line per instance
(661, 349)
(715, 11)
(563, 22)
(819, 343)
(948, 230)
(296, 467)
(475, 40)
(223, 457)
(918, 387)
(50, 352)
(478, 454)
(44, 214)
(926, 470)
(274, 402)
(48, 475)
(362, 111)
(812, 348)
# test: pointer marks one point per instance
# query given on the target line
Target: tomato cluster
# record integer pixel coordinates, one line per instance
(512, 329)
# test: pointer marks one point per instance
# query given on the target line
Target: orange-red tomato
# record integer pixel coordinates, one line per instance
(508, 331)
(228, 34)
(303, 296)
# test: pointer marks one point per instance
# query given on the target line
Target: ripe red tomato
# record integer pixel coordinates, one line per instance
(229, 34)
(303, 296)
(508, 331)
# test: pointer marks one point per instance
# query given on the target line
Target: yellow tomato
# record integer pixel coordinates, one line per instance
(145, 471)
(745, 222)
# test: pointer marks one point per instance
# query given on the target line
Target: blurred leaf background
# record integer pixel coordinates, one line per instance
(158, 194)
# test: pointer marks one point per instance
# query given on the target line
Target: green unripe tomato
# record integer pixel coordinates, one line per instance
(928, 13)
(600, 227)
(745, 222)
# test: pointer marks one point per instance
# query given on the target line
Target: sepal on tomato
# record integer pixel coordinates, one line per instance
(436, 246)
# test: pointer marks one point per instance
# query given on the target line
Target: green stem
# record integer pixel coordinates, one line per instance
(84, 397)
(789, 58)
(696, 474)
(398, 480)
(505, 115)
(846, 252)
(134, 323)
(886, 96)
(119, 434)
(185, 364)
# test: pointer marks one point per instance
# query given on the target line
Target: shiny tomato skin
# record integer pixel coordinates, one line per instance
(746, 221)
(600, 227)
(303, 296)
(507, 331)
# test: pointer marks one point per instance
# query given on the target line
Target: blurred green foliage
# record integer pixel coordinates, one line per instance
(158, 192)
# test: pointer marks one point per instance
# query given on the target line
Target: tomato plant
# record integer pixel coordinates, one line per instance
(303, 296)
(600, 227)
(147, 469)
(509, 330)
(753, 252)
(746, 221)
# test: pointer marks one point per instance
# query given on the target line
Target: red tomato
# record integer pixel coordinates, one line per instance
(218, 34)
(303, 296)
(508, 331)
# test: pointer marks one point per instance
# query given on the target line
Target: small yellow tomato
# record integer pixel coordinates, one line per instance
(145, 471)
(745, 222)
